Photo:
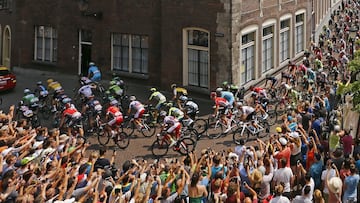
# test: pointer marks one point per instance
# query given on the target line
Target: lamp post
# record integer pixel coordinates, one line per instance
(352, 35)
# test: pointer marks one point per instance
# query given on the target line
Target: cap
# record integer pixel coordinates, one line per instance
(294, 134)
(283, 141)
(278, 129)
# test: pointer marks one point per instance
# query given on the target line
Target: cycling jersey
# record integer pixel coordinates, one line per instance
(138, 107)
(94, 105)
(178, 91)
(72, 113)
(176, 112)
(222, 102)
(247, 110)
(54, 86)
(228, 96)
(174, 125)
(86, 91)
(117, 117)
(116, 90)
(191, 108)
(95, 73)
(30, 99)
(158, 96)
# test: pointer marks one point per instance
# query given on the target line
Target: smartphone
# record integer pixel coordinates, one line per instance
(298, 162)
(244, 183)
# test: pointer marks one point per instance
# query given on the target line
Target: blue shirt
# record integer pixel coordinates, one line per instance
(316, 125)
(315, 172)
(351, 183)
(215, 169)
(96, 74)
(228, 96)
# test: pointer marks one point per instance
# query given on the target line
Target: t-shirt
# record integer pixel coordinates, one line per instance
(285, 153)
(347, 144)
(280, 199)
(316, 171)
(283, 175)
(333, 141)
(323, 178)
(351, 183)
(301, 199)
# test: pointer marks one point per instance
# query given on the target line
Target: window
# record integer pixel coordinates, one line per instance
(268, 49)
(247, 58)
(4, 4)
(198, 58)
(299, 33)
(45, 44)
(130, 53)
(284, 40)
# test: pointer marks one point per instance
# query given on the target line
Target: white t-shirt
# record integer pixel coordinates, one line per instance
(312, 186)
(283, 175)
(280, 199)
(301, 199)
(323, 178)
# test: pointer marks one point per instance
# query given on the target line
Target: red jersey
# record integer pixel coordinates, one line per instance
(221, 102)
(69, 111)
(257, 89)
(114, 111)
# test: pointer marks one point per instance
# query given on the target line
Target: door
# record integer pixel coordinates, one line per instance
(85, 58)
(85, 42)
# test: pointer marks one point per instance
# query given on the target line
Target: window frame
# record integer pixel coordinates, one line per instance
(130, 47)
(265, 38)
(300, 40)
(244, 60)
(284, 54)
(53, 44)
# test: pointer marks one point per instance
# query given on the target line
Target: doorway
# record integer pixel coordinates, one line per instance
(85, 58)
(85, 43)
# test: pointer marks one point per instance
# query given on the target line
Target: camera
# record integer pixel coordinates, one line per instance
(298, 162)
(244, 183)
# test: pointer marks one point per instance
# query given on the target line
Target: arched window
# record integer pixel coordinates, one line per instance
(6, 49)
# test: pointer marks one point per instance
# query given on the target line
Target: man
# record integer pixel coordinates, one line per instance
(332, 173)
(284, 175)
(139, 110)
(316, 170)
(157, 97)
(113, 116)
(304, 197)
(283, 153)
(94, 73)
(222, 107)
(71, 116)
(178, 91)
(173, 128)
(351, 184)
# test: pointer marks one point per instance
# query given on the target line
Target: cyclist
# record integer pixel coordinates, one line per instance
(56, 89)
(178, 91)
(94, 73)
(158, 97)
(92, 108)
(175, 112)
(139, 110)
(173, 127)
(272, 79)
(259, 90)
(115, 89)
(248, 113)
(86, 92)
(189, 107)
(29, 99)
(40, 90)
(113, 116)
(71, 117)
(222, 107)
(226, 95)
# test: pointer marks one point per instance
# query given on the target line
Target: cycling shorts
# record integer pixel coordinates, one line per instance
(139, 113)
(116, 121)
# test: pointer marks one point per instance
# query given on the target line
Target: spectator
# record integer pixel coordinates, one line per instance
(284, 176)
(334, 185)
(316, 170)
(279, 198)
(332, 173)
(350, 185)
(304, 197)
(318, 198)
(348, 143)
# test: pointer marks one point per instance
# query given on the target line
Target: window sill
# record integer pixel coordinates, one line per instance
(130, 75)
(45, 63)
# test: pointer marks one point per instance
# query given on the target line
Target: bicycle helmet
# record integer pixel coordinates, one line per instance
(91, 64)
(132, 98)
(169, 105)
(67, 105)
(66, 100)
(153, 89)
(39, 83)
(173, 86)
(162, 113)
(219, 89)
(50, 81)
(27, 91)
(213, 94)
(114, 102)
(278, 129)
(183, 98)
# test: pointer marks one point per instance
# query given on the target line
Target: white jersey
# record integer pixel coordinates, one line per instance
(86, 91)
(247, 110)
(136, 105)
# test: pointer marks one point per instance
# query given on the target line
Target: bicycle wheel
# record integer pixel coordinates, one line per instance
(45, 111)
(186, 145)
(122, 140)
(266, 130)
(159, 148)
(239, 134)
(104, 137)
(128, 127)
(272, 114)
(80, 139)
(200, 125)
(280, 109)
(148, 130)
(191, 133)
(215, 128)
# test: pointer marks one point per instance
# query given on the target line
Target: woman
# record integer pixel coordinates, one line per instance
(196, 191)
(334, 185)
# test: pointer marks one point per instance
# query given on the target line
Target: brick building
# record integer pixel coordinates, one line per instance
(195, 43)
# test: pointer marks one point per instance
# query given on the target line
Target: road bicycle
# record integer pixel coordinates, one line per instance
(160, 147)
(247, 129)
(147, 128)
(120, 138)
(217, 127)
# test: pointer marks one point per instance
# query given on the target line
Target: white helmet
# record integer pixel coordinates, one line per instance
(114, 102)
(132, 98)
(91, 64)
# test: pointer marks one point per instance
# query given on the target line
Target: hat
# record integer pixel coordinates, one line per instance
(282, 141)
(278, 129)
(257, 176)
(37, 144)
(294, 134)
(26, 160)
(335, 184)
(63, 138)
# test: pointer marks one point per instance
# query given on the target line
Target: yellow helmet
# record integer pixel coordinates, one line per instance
(50, 81)
(278, 129)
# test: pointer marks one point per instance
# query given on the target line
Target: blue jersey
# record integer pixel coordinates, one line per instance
(228, 96)
(96, 74)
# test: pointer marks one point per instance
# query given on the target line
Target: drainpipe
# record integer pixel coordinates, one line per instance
(231, 41)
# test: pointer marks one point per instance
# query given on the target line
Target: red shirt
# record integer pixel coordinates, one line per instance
(221, 102)
(347, 144)
(285, 153)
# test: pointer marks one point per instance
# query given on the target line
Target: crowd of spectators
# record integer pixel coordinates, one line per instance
(292, 165)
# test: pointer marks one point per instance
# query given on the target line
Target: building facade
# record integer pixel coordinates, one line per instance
(195, 43)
